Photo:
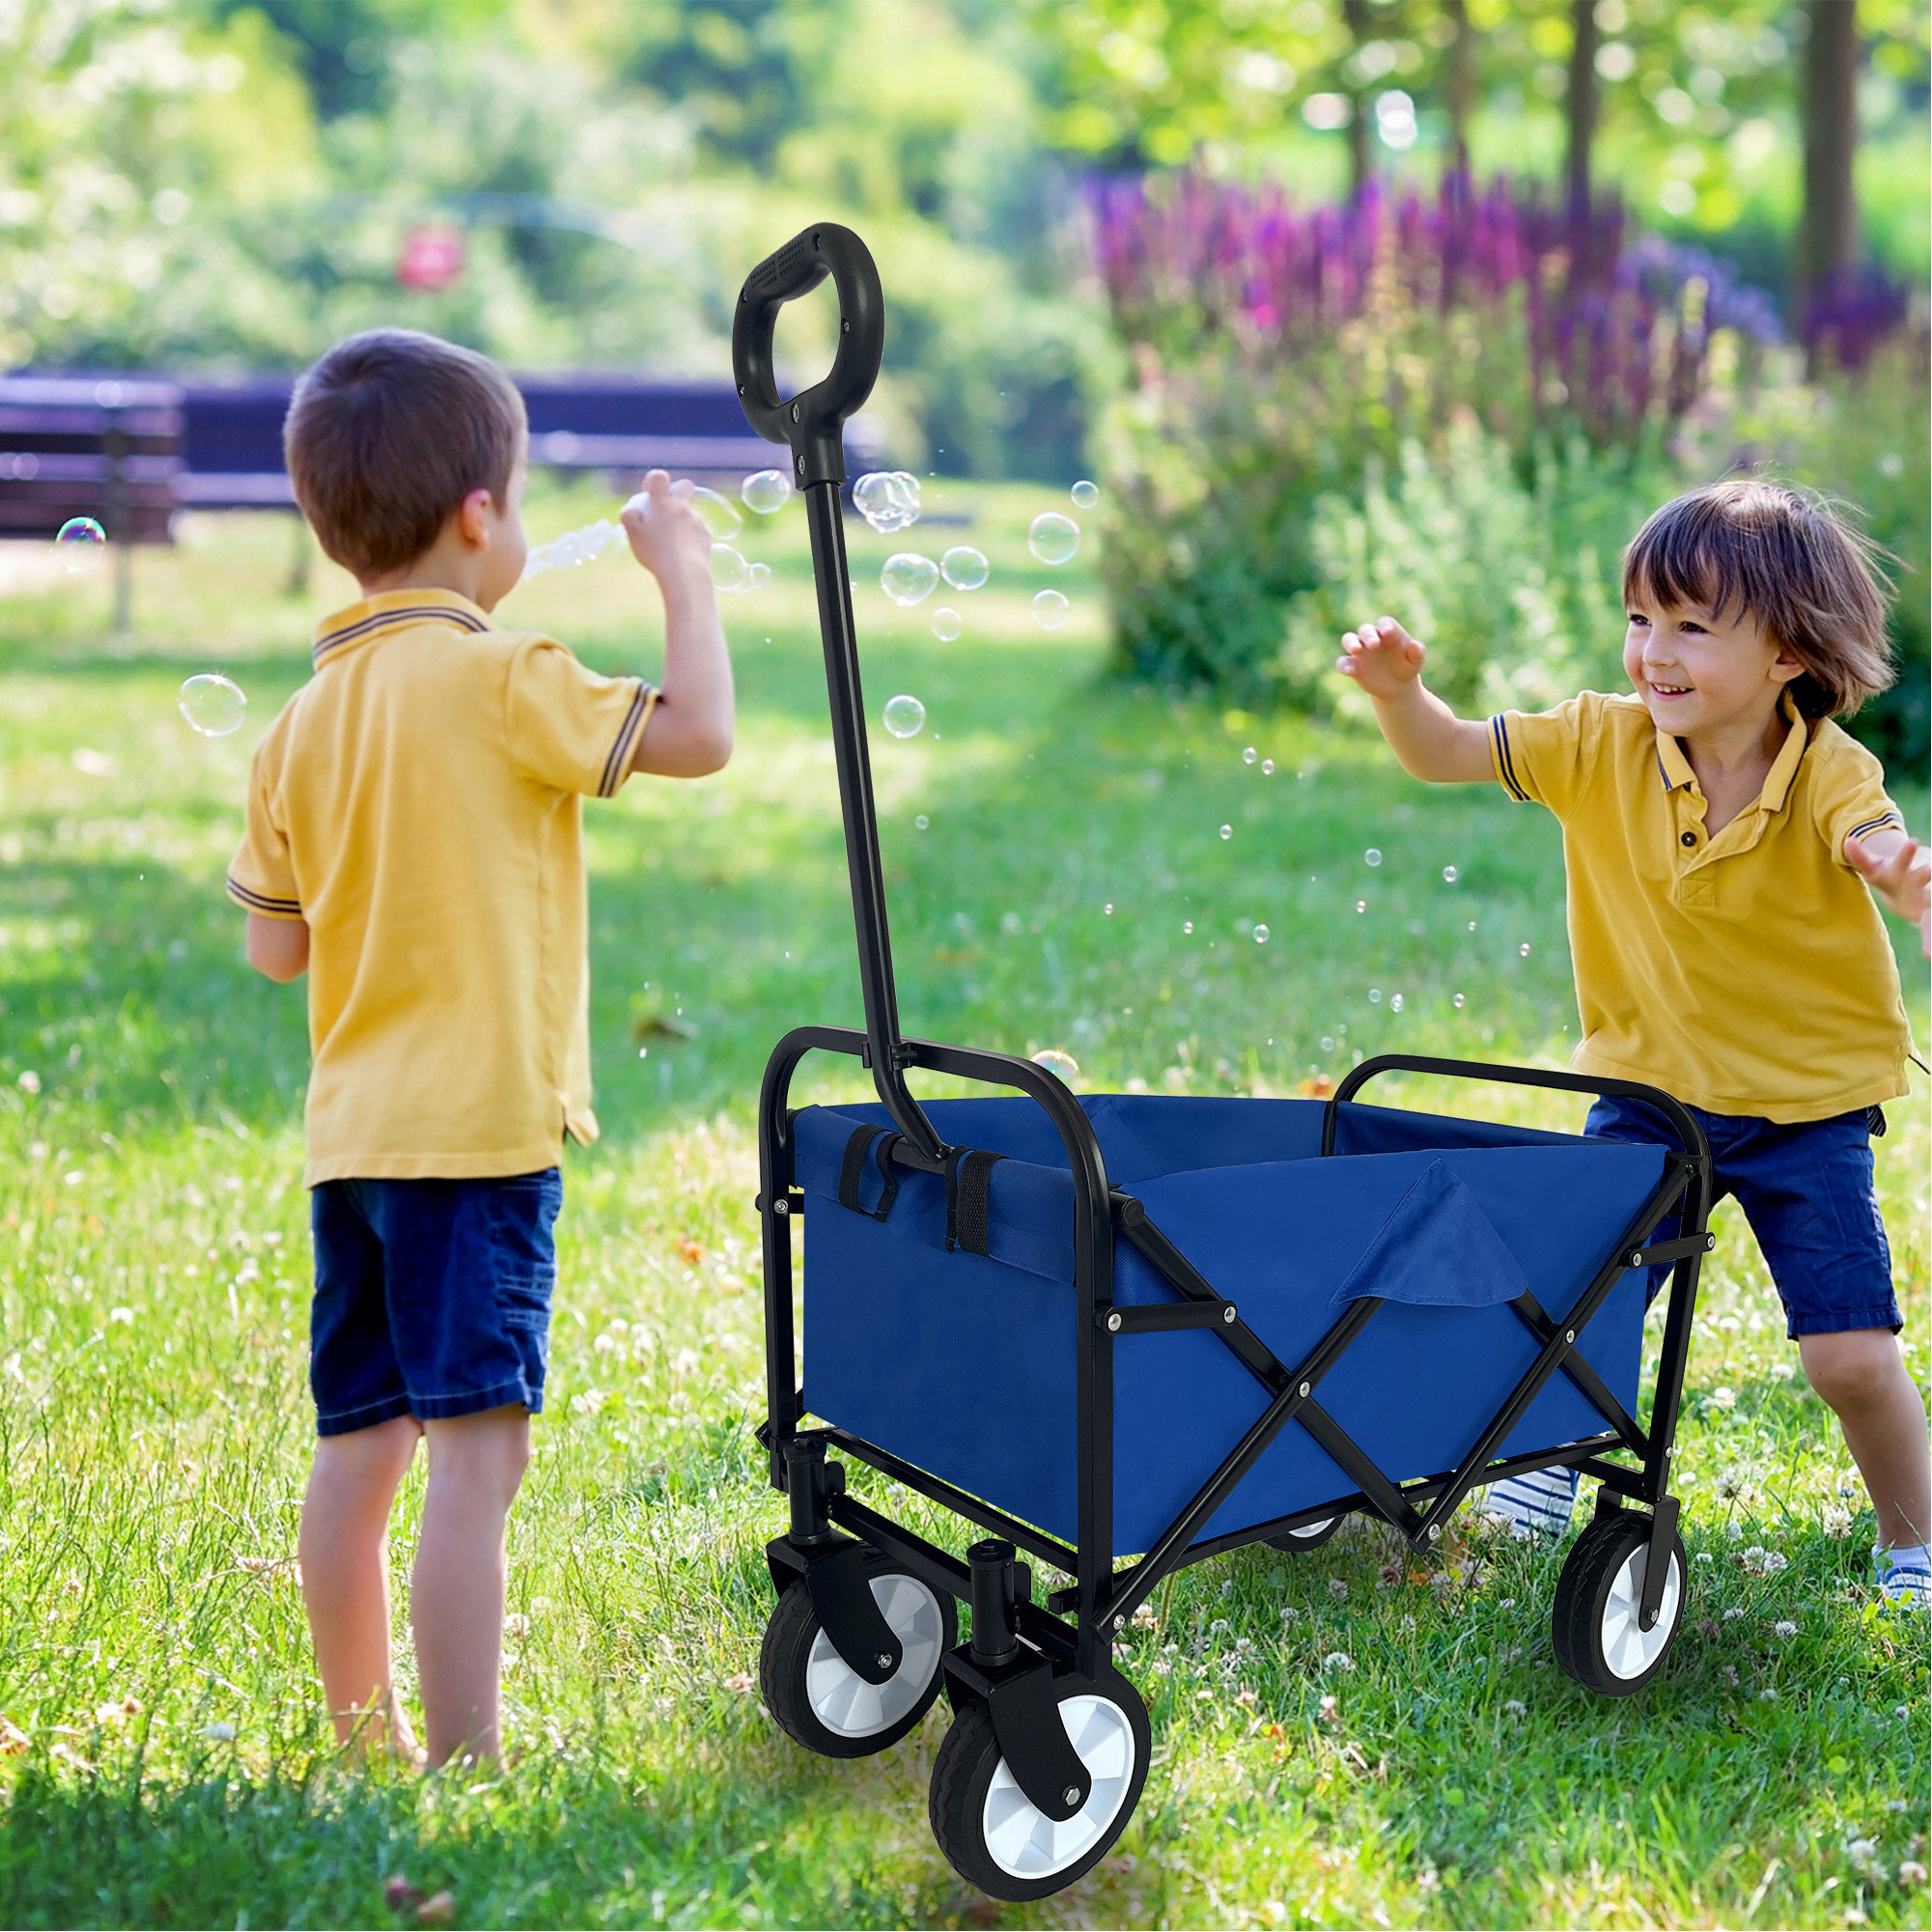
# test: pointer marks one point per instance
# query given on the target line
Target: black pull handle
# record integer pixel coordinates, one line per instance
(812, 423)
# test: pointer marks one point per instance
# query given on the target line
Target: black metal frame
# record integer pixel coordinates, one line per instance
(1100, 1599)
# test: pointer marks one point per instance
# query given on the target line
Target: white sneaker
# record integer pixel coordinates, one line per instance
(1537, 1503)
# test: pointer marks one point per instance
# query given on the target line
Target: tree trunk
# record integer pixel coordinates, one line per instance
(1354, 13)
(1462, 83)
(1827, 232)
(1582, 105)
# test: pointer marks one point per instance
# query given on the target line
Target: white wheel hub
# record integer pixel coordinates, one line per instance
(1023, 1841)
(1629, 1649)
(842, 1700)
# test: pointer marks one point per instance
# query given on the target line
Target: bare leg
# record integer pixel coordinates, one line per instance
(456, 1598)
(344, 1546)
(1863, 1376)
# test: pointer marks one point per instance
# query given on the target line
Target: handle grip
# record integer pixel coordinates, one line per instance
(812, 423)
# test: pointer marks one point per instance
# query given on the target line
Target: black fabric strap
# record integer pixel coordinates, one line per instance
(852, 1170)
(888, 1192)
(968, 1170)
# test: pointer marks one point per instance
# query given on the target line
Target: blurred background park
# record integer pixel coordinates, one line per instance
(1343, 306)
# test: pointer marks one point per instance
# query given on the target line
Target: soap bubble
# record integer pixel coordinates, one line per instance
(1472, 925)
(1085, 495)
(1451, 875)
(1374, 995)
(1395, 1002)
(1261, 935)
(905, 715)
(1327, 1044)
(729, 570)
(922, 822)
(963, 567)
(718, 513)
(1371, 856)
(1227, 831)
(78, 539)
(889, 499)
(1522, 951)
(574, 546)
(765, 491)
(1361, 904)
(1057, 1062)
(1457, 1001)
(1050, 609)
(1052, 538)
(1248, 756)
(213, 705)
(758, 576)
(1267, 768)
(907, 579)
(1108, 909)
(947, 624)
(1188, 927)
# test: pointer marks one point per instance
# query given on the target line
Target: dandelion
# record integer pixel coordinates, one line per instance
(1338, 1659)
(1786, 1629)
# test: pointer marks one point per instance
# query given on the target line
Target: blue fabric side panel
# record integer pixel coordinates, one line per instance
(961, 1365)
(1437, 1250)
(1361, 1128)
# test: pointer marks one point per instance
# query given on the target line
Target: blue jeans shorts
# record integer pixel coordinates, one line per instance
(1806, 1190)
(433, 1298)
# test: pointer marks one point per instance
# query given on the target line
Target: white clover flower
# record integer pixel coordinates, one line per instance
(1508, 1602)
(1724, 1398)
(1785, 1629)
(1731, 1614)
(1290, 1614)
(1220, 1624)
(1336, 1588)
(1705, 1557)
(1515, 1707)
(1768, 1695)
(1837, 1519)
(1338, 1659)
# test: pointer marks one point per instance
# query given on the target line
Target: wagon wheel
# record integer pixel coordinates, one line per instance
(817, 1697)
(1310, 1535)
(1593, 1624)
(995, 1836)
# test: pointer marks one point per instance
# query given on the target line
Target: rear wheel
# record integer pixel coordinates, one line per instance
(995, 1835)
(820, 1702)
(1594, 1626)
(1310, 1535)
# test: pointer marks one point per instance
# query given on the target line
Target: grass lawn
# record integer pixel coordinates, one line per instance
(1071, 865)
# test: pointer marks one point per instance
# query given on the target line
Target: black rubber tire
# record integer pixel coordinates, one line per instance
(784, 1660)
(1583, 1588)
(969, 1759)
(1299, 1545)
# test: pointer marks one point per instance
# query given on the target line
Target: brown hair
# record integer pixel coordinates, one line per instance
(1788, 558)
(387, 435)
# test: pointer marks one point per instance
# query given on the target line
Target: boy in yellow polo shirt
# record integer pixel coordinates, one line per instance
(1720, 835)
(414, 844)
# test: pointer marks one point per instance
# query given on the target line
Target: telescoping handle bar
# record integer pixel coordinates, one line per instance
(811, 424)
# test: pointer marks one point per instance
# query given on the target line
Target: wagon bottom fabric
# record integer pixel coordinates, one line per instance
(963, 1363)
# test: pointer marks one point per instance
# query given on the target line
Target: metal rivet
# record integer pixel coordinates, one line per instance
(795, 412)
(1113, 1324)
(741, 388)
(886, 1660)
(1435, 1532)
(1070, 1795)
(845, 328)
(782, 1207)
(1228, 1314)
(1569, 1335)
(1305, 1388)
(1120, 1623)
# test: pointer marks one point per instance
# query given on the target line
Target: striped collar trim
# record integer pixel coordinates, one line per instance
(1674, 769)
(393, 611)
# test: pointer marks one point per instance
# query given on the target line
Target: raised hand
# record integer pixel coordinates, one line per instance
(1382, 658)
(666, 534)
(1902, 877)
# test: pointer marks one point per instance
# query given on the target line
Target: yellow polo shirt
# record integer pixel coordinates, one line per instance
(1749, 974)
(418, 802)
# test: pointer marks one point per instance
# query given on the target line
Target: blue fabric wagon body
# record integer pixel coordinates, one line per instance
(964, 1364)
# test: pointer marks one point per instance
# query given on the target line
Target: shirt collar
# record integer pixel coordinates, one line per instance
(393, 611)
(1674, 769)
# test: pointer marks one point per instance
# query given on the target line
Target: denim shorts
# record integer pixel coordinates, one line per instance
(1806, 1190)
(433, 1298)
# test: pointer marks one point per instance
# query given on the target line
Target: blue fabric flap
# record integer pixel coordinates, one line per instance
(1437, 1250)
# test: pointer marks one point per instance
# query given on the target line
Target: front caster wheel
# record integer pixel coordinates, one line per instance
(819, 1701)
(1593, 1624)
(991, 1831)
(1310, 1535)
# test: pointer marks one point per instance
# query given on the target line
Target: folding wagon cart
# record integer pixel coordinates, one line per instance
(1153, 1323)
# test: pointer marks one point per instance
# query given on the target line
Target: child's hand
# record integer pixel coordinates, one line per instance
(1382, 658)
(667, 536)
(1902, 877)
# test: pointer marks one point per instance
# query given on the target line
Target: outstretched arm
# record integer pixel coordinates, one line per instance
(1900, 872)
(689, 731)
(1432, 743)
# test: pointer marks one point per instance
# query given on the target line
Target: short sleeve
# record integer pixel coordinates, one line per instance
(1541, 756)
(263, 876)
(565, 726)
(1848, 798)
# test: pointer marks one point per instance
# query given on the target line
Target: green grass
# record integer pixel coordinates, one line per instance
(154, 1418)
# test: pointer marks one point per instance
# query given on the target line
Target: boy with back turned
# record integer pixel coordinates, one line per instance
(414, 844)
(1720, 835)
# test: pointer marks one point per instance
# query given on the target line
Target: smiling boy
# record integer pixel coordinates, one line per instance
(1720, 834)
